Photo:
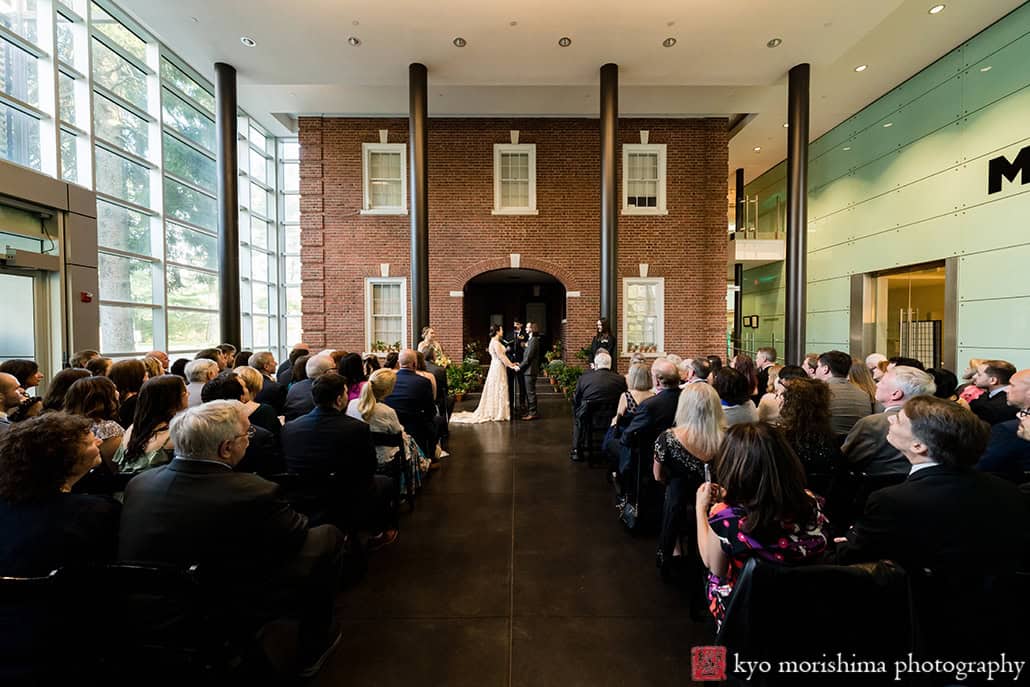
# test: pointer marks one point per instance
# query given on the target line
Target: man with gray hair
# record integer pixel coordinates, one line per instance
(198, 510)
(596, 387)
(272, 393)
(651, 418)
(198, 373)
(866, 447)
(298, 399)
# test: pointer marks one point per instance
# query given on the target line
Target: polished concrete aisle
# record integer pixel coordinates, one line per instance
(513, 571)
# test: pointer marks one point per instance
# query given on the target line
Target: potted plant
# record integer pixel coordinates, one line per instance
(457, 385)
(583, 354)
(554, 369)
(555, 352)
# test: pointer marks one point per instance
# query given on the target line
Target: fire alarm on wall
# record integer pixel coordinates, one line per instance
(86, 296)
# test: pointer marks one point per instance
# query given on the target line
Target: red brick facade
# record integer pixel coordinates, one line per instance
(341, 247)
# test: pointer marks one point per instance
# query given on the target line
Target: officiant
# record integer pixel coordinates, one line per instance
(514, 346)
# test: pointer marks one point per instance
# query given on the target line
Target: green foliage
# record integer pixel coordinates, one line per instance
(555, 367)
(555, 353)
(583, 354)
(566, 377)
(463, 378)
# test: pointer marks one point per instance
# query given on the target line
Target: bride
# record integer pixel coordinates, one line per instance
(493, 405)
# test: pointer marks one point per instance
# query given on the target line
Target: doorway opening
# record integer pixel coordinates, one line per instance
(912, 312)
(502, 296)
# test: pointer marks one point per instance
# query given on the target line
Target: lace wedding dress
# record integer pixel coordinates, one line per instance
(493, 405)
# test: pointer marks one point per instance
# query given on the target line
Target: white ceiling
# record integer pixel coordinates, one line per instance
(720, 65)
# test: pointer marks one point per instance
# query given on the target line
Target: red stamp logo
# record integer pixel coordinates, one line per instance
(708, 663)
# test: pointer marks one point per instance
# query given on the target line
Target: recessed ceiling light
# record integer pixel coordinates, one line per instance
(248, 41)
(758, 149)
(936, 9)
(846, 148)
(888, 125)
(354, 41)
(774, 43)
(669, 42)
(985, 69)
(564, 41)
(513, 23)
(459, 42)
(861, 67)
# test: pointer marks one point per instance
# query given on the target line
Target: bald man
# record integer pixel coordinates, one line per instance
(11, 396)
(652, 417)
(161, 357)
(1007, 454)
(415, 403)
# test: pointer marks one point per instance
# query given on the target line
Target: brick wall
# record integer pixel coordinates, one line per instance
(341, 247)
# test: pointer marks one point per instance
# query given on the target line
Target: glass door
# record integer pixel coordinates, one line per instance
(18, 313)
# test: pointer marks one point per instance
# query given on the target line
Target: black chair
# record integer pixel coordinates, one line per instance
(101, 481)
(594, 419)
(33, 621)
(811, 613)
(399, 469)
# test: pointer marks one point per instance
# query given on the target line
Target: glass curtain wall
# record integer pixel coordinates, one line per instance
(88, 96)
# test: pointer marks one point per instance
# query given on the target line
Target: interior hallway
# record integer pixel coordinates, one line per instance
(513, 570)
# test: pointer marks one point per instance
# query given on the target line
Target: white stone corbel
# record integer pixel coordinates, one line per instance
(384, 269)
(644, 134)
(384, 135)
(516, 260)
(514, 137)
(644, 267)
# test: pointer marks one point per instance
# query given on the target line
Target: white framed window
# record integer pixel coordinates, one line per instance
(643, 316)
(386, 320)
(384, 178)
(514, 179)
(643, 179)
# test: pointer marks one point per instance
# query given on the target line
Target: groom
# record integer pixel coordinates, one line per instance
(530, 368)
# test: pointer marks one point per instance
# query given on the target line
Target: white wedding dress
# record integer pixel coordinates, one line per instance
(493, 405)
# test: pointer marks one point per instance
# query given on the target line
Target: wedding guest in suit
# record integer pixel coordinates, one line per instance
(298, 398)
(284, 374)
(599, 385)
(514, 348)
(993, 377)
(414, 402)
(11, 396)
(849, 403)
(198, 510)
(272, 392)
(765, 359)
(529, 368)
(198, 373)
(652, 417)
(443, 411)
(1007, 454)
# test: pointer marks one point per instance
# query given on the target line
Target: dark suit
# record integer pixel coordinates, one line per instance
(530, 370)
(1007, 455)
(299, 400)
(993, 409)
(442, 411)
(328, 441)
(599, 386)
(284, 377)
(866, 448)
(514, 349)
(651, 418)
(413, 400)
(272, 393)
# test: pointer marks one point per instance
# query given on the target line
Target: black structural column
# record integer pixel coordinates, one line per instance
(797, 213)
(609, 196)
(418, 144)
(228, 204)
(738, 268)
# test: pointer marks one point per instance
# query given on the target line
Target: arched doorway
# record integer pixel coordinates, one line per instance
(501, 296)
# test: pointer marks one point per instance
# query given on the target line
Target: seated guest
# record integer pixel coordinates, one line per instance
(228, 352)
(935, 518)
(805, 423)
(299, 371)
(714, 362)
(147, 442)
(272, 392)
(263, 455)
(765, 360)
(993, 377)
(860, 376)
(26, 371)
(423, 371)
(152, 366)
(284, 374)
(680, 456)
(769, 404)
(811, 365)
(99, 367)
(415, 403)
(162, 358)
(198, 373)
(371, 364)
(260, 414)
(440, 375)
(379, 416)
(638, 379)
(80, 358)
(42, 525)
(392, 361)
(599, 385)
(241, 359)
(128, 376)
(198, 510)
(178, 368)
(848, 403)
(58, 387)
(743, 364)
(872, 363)
(326, 441)
(29, 408)
(900, 360)
(652, 417)
(694, 371)
(759, 507)
(11, 396)
(1008, 455)
(214, 355)
(96, 399)
(966, 390)
(298, 398)
(353, 372)
(946, 383)
(733, 389)
(866, 447)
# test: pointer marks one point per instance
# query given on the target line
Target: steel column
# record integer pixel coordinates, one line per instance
(226, 127)
(797, 213)
(418, 146)
(609, 194)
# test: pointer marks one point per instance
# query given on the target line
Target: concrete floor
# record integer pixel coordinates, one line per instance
(514, 571)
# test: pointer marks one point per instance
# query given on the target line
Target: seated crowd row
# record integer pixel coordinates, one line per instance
(211, 458)
(813, 463)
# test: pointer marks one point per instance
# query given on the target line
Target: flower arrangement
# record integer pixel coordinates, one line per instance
(383, 347)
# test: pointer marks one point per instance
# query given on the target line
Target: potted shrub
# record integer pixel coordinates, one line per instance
(554, 369)
(457, 386)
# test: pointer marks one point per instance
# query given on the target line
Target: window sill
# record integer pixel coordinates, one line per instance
(644, 211)
(385, 211)
(515, 211)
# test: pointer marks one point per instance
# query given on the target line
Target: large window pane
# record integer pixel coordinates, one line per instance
(258, 138)
(291, 150)
(123, 229)
(292, 269)
(258, 166)
(189, 164)
(69, 156)
(190, 206)
(118, 76)
(260, 298)
(191, 247)
(259, 232)
(122, 178)
(126, 330)
(259, 266)
(125, 279)
(258, 200)
(20, 17)
(293, 300)
(19, 137)
(191, 330)
(187, 120)
(292, 239)
(66, 41)
(66, 106)
(260, 332)
(119, 126)
(113, 29)
(291, 177)
(173, 75)
(294, 333)
(19, 73)
(292, 209)
(191, 289)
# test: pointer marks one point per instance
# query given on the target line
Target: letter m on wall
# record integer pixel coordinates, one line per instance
(1000, 167)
